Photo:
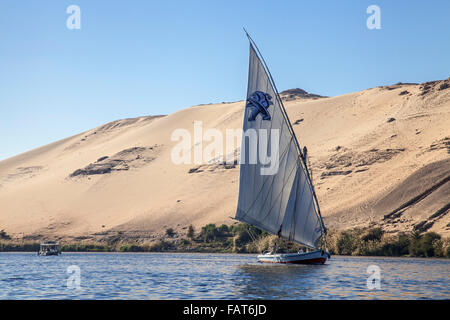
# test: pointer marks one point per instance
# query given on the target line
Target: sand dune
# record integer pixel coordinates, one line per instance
(379, 157)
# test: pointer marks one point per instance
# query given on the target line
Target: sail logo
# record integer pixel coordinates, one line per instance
(209, 147)
(258, 103)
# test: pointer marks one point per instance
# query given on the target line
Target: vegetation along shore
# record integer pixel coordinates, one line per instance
(242, 238)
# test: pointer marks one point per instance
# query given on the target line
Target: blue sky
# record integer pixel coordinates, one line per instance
(133, 58)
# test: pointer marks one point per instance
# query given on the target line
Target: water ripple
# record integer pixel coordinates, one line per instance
(217, 276)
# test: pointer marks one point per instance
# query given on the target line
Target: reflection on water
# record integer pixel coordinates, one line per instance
(280, 281)
(217, 276)
(346, 277)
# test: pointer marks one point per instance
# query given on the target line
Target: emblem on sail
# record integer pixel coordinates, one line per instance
(257, 103)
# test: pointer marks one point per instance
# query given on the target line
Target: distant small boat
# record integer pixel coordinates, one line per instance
(49, 248)
(281, 201)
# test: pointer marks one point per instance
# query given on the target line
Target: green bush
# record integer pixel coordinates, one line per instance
(209, 233)
(161, 246)
(14, 246)
(424, 246)
(438, 247)
(398, 247)
(242, 238)
(223, 229)
(85, 247)
(347, 243)
(373, 242)
(170, 232)
(191, 232)
(185, 242)
(4, 235)
(374, 234)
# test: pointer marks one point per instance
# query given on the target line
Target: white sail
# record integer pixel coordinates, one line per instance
(302, 223)
(280, 201)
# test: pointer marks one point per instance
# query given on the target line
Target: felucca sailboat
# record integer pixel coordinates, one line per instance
(278, 197)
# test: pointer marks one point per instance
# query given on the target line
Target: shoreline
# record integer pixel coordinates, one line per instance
(242, 238)
(83, 248)
(222, 253)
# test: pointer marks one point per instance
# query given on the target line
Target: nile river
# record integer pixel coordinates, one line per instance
(216, 276)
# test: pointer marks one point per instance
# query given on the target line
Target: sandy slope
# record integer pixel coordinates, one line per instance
(367, 169)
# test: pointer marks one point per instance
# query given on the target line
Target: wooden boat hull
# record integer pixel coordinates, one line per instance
(315, 257)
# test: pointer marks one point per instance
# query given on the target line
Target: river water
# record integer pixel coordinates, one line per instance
(217, 276)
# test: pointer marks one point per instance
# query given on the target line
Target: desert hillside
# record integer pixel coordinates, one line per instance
(379, 157)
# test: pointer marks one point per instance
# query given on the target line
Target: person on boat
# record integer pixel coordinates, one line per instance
(305, 152)
(300, 251)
